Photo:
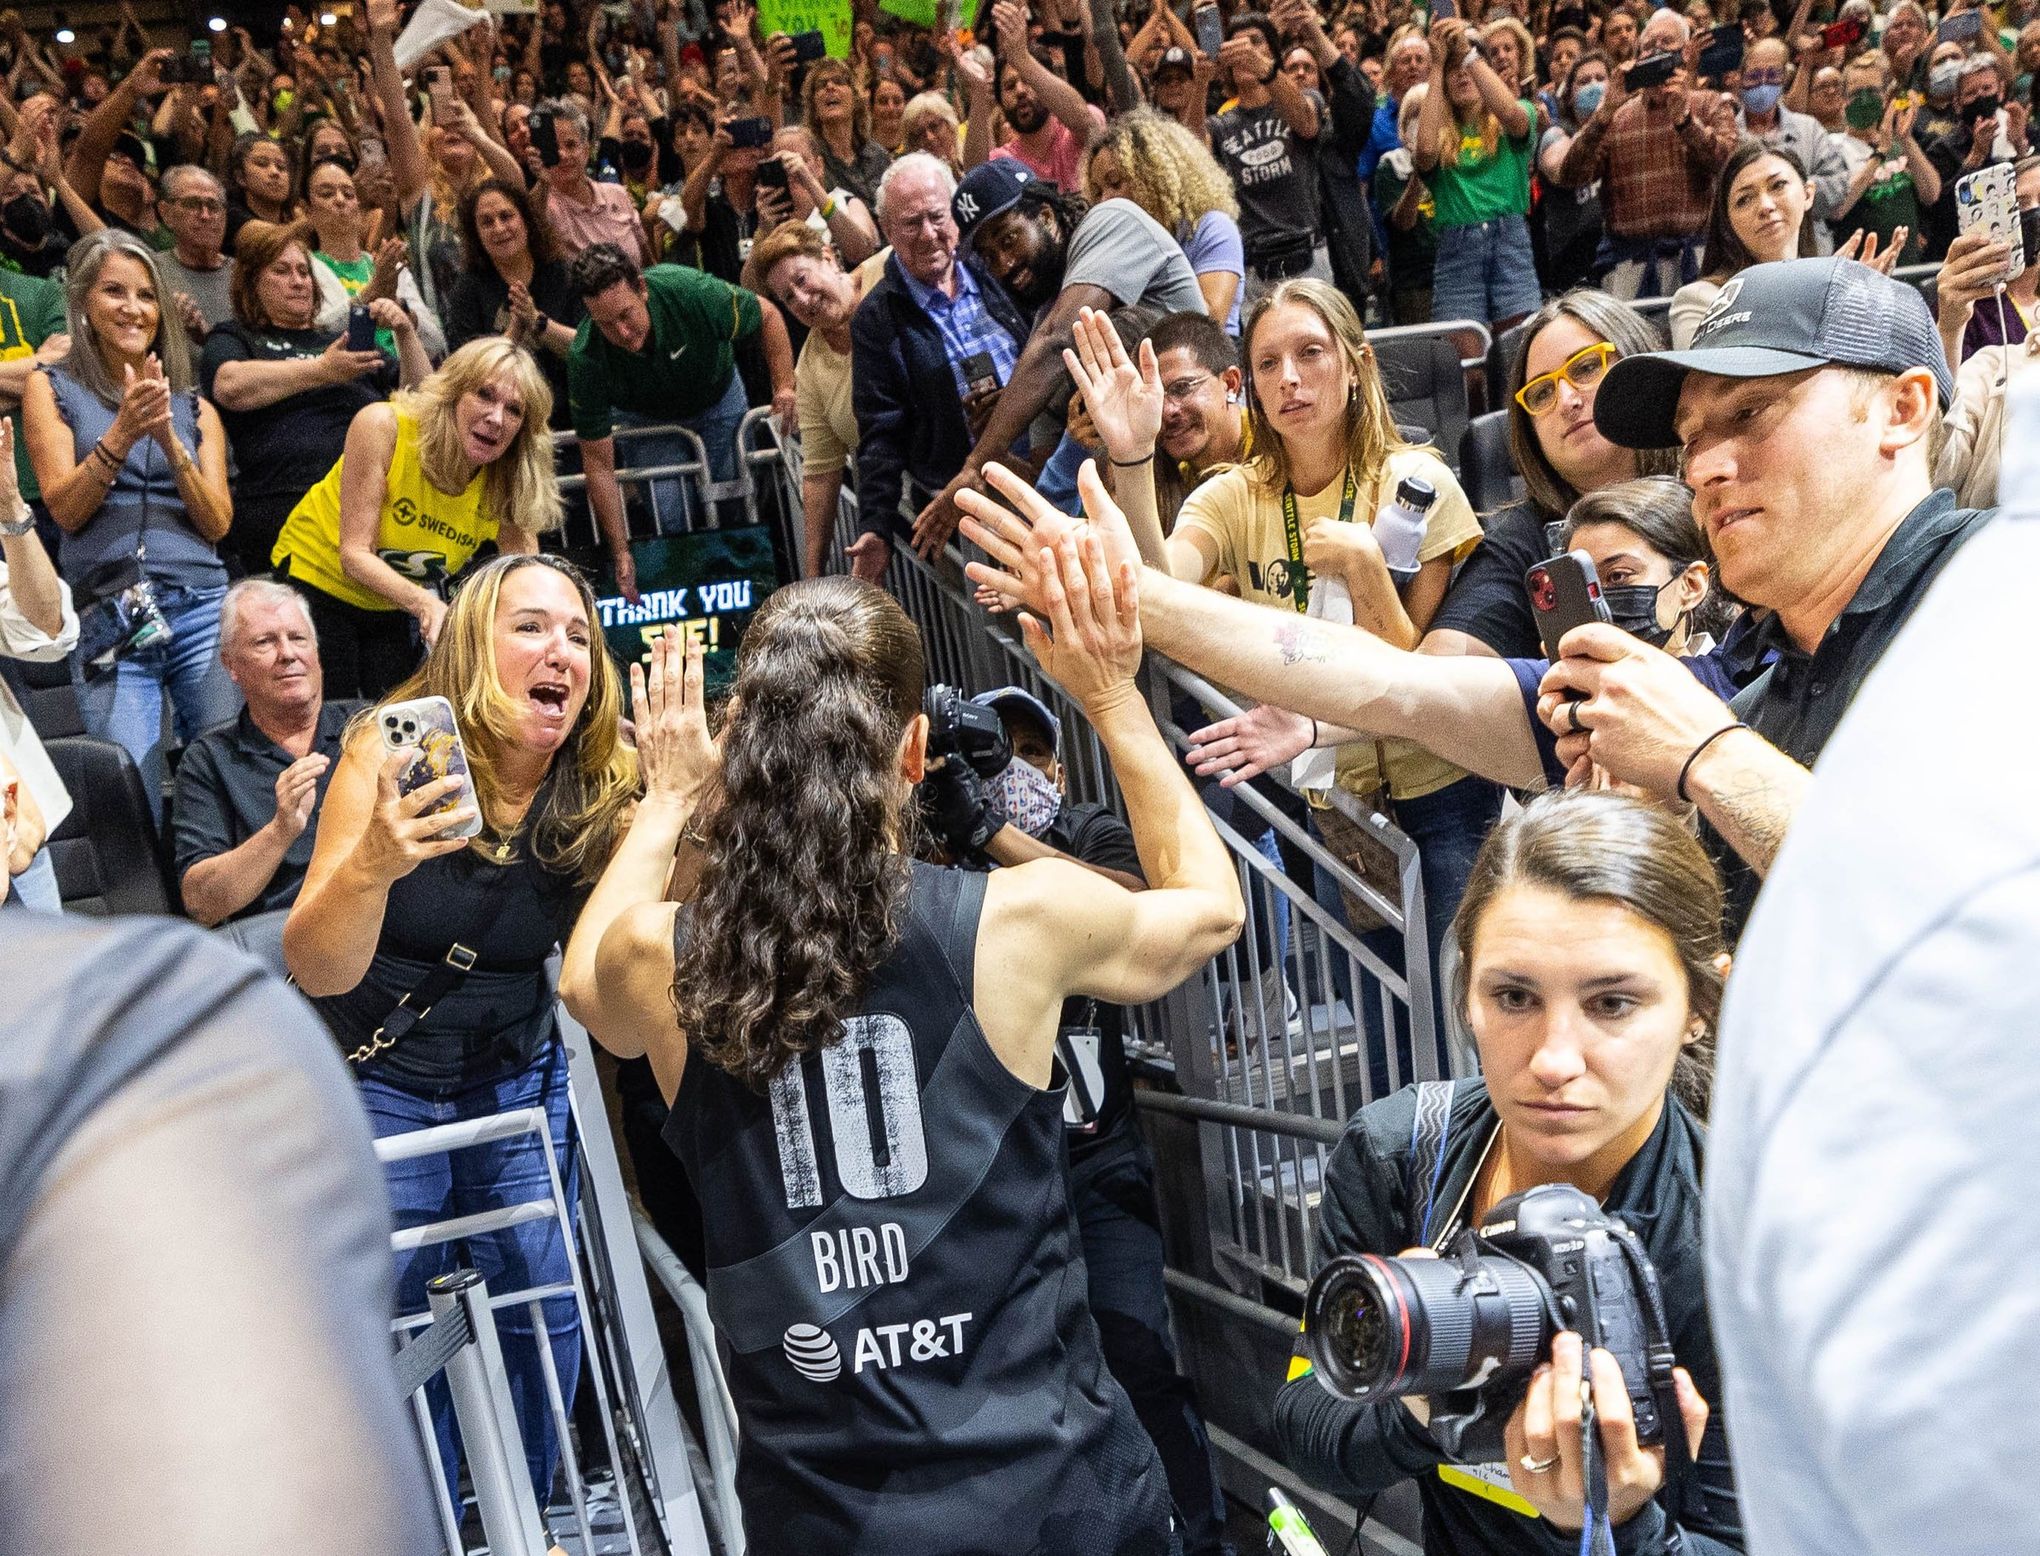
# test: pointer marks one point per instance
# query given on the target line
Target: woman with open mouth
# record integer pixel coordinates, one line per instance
(425, 478)
(526, 790)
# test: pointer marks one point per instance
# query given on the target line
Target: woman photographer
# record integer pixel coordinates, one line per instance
(287, 392)
(347, 273)
(132, 464)
(389, 892)
(835, 956)
(1591, 968)
(423, 480)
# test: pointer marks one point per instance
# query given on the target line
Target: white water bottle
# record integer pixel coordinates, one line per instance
(1399, 526)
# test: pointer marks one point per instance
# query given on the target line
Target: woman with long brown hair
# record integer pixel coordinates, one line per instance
(877, 1284)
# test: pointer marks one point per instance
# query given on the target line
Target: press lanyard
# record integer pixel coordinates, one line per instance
(1292, 532)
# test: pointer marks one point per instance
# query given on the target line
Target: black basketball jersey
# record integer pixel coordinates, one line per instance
(897, 1278)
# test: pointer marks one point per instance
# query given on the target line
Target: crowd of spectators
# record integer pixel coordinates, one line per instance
(291, 351)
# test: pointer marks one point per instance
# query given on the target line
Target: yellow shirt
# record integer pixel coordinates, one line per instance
(1242, 520)
(821, 383)
(425, 534)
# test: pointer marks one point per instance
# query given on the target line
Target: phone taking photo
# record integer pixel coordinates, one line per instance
(360, 328)
(1988, 201)
(1722, 52)
(424, 727)
(1653, 70)
(439, 83)
(1961, 27)
(1565, 592)
(1210, 29)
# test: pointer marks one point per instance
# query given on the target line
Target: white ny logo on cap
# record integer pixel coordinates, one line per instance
(967, 207)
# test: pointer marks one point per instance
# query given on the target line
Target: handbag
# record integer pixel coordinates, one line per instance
(447, 975)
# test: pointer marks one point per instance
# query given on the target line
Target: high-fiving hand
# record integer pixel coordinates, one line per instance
(1125, 401)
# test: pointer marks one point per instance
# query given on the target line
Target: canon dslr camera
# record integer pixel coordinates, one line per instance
(1467, 1329)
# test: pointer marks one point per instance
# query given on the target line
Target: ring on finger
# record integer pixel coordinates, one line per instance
(1537, 1466)
(1572, 713)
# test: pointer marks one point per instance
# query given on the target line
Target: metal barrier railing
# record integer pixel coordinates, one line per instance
(678, 496)
(643, 1437)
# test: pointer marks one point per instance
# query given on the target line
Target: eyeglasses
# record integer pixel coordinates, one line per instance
(199, 205)
(1583, 370)
(1183, 388)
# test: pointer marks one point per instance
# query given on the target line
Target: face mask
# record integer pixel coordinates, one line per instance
(1762, 99)
(1586, 99)
(1024, 793)
(1865, 109)
(27, 220)
(636, 155)
(1983, 108)
(501, 72)
(2029, 235)
(282, 100)
(1633, 608)
(1942, 78)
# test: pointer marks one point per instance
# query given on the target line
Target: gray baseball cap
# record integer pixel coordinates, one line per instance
(1019, 697)
(1771, 319)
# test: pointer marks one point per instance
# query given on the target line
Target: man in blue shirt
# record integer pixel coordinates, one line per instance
(912, 341)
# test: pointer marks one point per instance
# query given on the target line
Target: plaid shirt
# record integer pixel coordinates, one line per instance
(1657, 181)
(965, 326)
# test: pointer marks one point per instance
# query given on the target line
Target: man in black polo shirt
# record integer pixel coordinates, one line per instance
(249, 790)
(1806, 407)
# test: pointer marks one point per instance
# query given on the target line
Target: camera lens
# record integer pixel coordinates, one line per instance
(1380, 1328)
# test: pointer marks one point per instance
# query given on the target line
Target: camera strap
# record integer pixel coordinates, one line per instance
(1681, 1477)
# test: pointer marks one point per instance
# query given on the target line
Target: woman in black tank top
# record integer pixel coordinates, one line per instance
(858, 1049)
(391, 889)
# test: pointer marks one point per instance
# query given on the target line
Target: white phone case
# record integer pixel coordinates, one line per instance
(425, 728)
(1989, 199)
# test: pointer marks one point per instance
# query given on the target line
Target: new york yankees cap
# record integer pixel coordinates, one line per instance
(1771, 319)
(987, 190)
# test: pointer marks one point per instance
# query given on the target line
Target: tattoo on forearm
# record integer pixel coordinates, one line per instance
(1299, 644)
(1754, 814)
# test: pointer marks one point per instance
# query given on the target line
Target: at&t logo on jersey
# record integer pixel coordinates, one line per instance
(815, 1355)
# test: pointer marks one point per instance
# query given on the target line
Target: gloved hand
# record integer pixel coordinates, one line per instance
(959, 810)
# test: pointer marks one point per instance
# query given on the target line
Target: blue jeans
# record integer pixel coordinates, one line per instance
(672, 503)
(1485, 272)
(487, 1177)
(125, 703)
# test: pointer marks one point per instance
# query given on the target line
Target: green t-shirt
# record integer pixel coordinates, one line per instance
(686, 362)
(1887, 204)
(1484, 184)
(31, 311)
(355, 274)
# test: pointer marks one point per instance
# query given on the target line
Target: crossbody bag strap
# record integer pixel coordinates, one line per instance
(448, 974)
(1429, 1130)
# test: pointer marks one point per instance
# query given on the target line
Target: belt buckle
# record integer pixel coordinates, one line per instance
(460, 958)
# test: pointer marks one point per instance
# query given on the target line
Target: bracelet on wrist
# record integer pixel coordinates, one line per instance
(1132, 464)
(22, 522)
(1686, 772)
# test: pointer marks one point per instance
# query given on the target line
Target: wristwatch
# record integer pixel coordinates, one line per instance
(22, 522)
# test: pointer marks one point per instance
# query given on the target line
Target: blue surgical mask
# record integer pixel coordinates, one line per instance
(1942, 78)
(1761, 99)
(1586, 99)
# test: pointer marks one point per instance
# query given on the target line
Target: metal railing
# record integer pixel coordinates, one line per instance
(679, 496)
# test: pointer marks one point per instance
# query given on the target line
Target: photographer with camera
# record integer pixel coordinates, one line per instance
(1591, 970)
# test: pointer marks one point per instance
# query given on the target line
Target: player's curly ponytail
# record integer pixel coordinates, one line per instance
(805, 867)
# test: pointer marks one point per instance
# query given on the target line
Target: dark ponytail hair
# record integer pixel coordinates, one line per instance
(1589, 845)
(805, 867)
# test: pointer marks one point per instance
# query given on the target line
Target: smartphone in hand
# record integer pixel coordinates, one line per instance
(424, 727)
(1565, 592)
(1988, 200)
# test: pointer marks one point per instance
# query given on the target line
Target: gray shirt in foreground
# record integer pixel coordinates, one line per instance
(1875, 1155)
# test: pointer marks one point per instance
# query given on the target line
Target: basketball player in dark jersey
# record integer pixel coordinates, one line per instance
(860, 1072)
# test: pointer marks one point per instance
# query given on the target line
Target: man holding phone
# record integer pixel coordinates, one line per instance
(1656, 145)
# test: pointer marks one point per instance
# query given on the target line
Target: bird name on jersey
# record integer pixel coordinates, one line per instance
(846, 1259)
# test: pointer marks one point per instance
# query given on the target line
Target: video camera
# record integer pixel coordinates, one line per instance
(1467, 1329)
(958, 727)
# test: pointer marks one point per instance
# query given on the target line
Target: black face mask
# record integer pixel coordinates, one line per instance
(1633, 608)
(2029, 235)
(27, 220)
(1983, 108)
(636, 155)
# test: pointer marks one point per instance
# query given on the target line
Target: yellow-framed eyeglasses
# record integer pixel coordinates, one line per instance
(1583, 370)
